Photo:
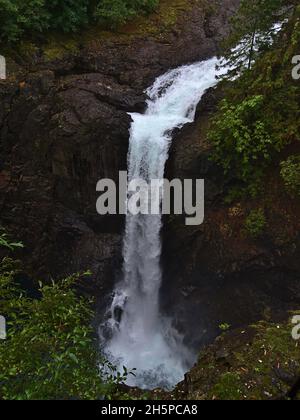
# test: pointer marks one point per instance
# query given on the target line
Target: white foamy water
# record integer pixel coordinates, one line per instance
(140, 336)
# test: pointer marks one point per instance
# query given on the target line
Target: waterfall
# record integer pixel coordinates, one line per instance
(140, 336)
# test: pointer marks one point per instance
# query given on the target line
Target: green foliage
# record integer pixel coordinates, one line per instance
(9, 25)
(119, 11)
(256, 223)
(50, 352)
(31, 17)
(66, 15)
(260, 115)
(254, 354)
(290, 173)
(224, 327)
(241, 139)
(5, 242)
(253, 30)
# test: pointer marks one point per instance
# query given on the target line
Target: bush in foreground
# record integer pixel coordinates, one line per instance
(50, 351)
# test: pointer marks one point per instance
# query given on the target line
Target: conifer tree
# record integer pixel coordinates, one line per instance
(254, 28)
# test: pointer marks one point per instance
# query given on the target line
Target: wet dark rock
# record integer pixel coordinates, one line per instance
(260, 363)
(222, 355)
(286, 377)
(64, 125)
(232, 277)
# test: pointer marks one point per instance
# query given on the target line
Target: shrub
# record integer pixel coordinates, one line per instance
(255, 223)
(224, 327)
(37, 16)
(50, 352)
(116, 12)
(241, 140)
(261, 114)
(290, 173)
(66, 15)
(5, 242)
(10, 28)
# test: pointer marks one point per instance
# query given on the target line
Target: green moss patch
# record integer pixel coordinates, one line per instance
(262, 362)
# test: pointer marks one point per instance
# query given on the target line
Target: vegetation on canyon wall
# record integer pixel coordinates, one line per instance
(260, 362)
(290, 173)
(50, 351)
(259, 118)
(19, 18)
(255, 135)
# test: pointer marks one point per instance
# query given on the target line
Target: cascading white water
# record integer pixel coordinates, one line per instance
(140, 337)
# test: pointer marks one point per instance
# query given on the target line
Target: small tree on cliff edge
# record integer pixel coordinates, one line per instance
(253, 29)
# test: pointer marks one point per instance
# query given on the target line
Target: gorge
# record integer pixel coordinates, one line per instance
(70, 110)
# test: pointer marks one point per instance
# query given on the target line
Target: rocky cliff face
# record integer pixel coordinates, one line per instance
(217, 273)
(64, 125)
(260, 362)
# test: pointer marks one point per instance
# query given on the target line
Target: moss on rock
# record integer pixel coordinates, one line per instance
(258, 363)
